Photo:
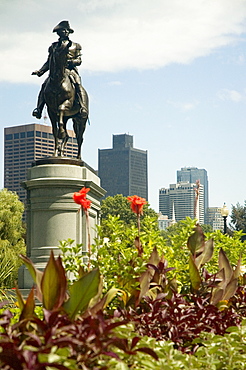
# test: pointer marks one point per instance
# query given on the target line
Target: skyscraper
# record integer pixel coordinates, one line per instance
(123, 169)
(24, 144)
(192, 174)
(180, 198)
(215, 218)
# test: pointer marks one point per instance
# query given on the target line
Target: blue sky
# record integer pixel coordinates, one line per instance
(172, 74)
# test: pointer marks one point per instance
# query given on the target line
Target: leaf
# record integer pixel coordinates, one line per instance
(237, 271)
(230, 289)
(96, 298)
(109, 296)
(224, 263)
(145, 280)
(81, 292)
(154, 258)
(217, 295)
(35, 273)
(29, 306)
(125, 297)
(233, 329)
(53, 283)
(196, 240)
(173, 285)
(149, 351)
(207, 253)
(194, 274)
(20, 299)
(135, 341)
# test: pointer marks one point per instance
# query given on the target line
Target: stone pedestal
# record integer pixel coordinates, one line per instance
(52, 214)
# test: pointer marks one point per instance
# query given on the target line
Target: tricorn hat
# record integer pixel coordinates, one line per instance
(63, 25)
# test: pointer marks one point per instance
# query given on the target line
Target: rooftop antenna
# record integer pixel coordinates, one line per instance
(196, 203)
(173, 221)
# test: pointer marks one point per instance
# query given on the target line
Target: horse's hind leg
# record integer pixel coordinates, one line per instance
(53, 119)
(79, 124)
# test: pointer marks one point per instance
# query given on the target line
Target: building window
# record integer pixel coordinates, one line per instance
(9, 137)
(22, 135)
(30, 134)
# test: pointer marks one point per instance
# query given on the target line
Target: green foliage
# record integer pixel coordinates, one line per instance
(72, 256)
(178, 255)
(11, 237)
(233, 246)
(238, 217)
(216, 352)
(52, 288)
(228, 284)
(77, 330)
(119, 256)
(119, 206)
(53, 291)
(207, 228)
(223, 352)
(168, 357)
(11, 210)
(6, 269)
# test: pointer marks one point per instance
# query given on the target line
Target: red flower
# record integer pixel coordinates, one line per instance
(77, 197)
(80, 198)
(84, 191)
(137, 204)
(85, 203)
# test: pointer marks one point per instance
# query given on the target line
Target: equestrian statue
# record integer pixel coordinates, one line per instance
(62, 91)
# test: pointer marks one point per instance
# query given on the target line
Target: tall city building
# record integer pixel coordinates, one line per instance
(24, 144)
(180, 198)
(192, 174)
(123, 169)
(215, 218)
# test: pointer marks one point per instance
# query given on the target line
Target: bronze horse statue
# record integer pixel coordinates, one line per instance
(61, 101)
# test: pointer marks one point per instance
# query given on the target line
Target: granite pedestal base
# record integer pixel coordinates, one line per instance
(52, 215)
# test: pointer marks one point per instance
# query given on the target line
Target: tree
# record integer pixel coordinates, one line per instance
(11, 236)
(118, 205)
(238, 217)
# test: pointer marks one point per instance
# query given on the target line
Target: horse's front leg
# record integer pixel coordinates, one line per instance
(63, 145)
(79, 124)
(53, 119)
(56, 151)
(62, 131)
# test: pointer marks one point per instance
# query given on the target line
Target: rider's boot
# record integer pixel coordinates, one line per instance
(82, 100)
(37, 112)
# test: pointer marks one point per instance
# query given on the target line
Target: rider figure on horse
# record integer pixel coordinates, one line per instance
(73, 60)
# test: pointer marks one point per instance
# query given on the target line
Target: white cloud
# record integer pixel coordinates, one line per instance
(232, 95)
(115, 83)
(184, 106)
(240, 59)
(117, 34)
